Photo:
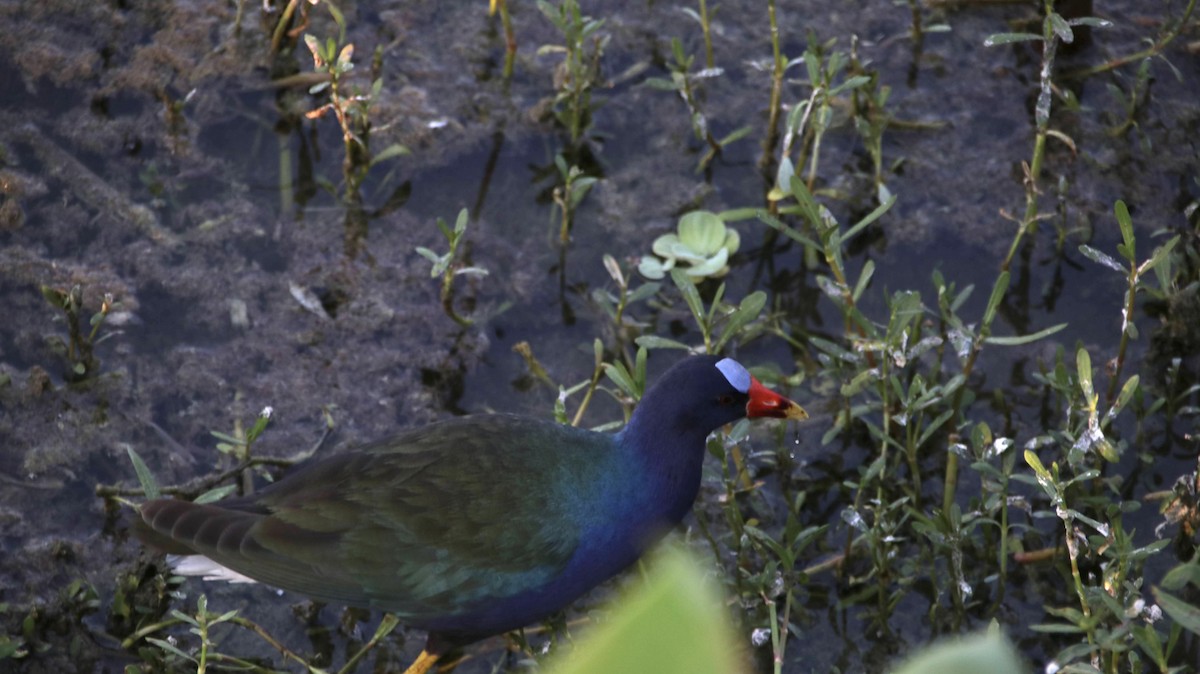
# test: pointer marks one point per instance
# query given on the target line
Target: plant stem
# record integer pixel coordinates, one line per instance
(587, 396)
(1073, 553)
(1042, 122)
(776, 654)
(447, 297)
(386, 626)
(285, 19)
(707, 30)
(1149, 52)
(510, 39)
(776, 90)
(1127, 318)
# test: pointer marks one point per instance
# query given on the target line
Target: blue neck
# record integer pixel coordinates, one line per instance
(667, 461)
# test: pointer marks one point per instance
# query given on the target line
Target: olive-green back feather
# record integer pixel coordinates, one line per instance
(421, 524)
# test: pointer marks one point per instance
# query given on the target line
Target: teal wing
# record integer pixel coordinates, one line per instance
(422, 524)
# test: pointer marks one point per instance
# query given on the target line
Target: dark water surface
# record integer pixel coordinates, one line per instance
(145, 153)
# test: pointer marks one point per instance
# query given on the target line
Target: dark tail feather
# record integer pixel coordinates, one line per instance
(153, 539)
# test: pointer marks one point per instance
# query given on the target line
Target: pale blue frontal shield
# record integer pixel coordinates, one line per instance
(735, 374)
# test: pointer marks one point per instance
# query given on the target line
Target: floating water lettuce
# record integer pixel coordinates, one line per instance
(703, 243)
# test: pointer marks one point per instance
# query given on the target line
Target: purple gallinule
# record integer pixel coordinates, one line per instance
(479, 525)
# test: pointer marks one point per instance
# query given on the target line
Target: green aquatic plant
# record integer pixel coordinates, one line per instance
(510, 36)
(79, 349)
(1133, 272)
(685, 83)
(569, 193)
(703, 243)
(199, 645)
(579, 73)
(810, 120)
(448, 265)
(350, 105)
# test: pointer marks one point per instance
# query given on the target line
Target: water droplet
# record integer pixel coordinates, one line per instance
(760, 637)
(1153, 614)
(851, 517)
(777, 585)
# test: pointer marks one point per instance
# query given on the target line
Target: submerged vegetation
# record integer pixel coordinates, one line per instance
(1006, 441)
(79, 349)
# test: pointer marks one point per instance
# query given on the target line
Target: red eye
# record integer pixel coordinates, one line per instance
(725, 399)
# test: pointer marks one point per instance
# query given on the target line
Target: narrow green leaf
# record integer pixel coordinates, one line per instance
(776, 223)
(873, 470)
(1127, 391)
(660, 83)
(858, 382)
(1101, 258)
(864, 278)
(579, 189)
(1178, 577)
(1083, 369)
(214, 495)
(386, 625)
(655, 342)
(1061, 28)
(260, 425)
(57, 298)
(690, 295)
(869, 218)
(1125, 222)
(428, 254)
(230, 615)
(1183, 613)
(850, 83)
(739, 214)
(639, 370)
(620, 376)
(808, 205)
(710, 318)
(166, 646)
(1093, 21)
(1035, 463)
(145, 477)
(770, 543)
(1025, 339)
(747, 311)
(736, 134)
(393, 150)
(934, 426)
(998, 291)
(1159, 255)
(1151, 644)
(1008, 38)
(642, 292)
(783, 178)
(1056, 628)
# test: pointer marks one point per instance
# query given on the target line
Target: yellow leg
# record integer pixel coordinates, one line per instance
(424, 662)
